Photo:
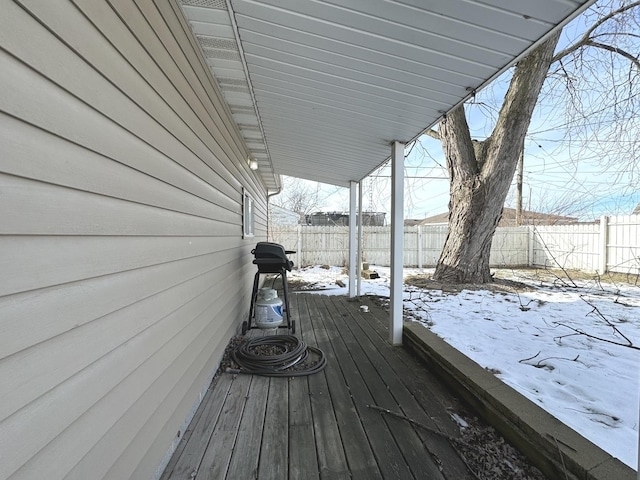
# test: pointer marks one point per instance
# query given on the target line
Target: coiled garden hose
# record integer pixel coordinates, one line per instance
(287, 361)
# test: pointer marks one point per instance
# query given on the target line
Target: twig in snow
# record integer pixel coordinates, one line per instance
(420, 305)
(582, 332)
(530, 358)
(523, 307)
(595, 310)
(621, 303)
(598, 281)
(539, 364)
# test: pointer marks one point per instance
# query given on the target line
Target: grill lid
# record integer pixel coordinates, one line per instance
(271, 257)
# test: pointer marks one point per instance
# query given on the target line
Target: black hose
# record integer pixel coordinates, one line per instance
(252, 359)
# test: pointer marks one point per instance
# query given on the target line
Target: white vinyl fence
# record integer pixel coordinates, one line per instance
(613, 245)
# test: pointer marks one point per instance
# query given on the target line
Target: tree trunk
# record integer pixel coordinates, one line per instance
(480, 173)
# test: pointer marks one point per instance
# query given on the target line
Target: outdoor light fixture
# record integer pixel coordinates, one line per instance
(253, 164)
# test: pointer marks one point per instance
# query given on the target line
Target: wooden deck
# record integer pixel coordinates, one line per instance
(322, 426)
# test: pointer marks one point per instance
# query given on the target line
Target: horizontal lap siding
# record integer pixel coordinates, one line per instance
(124, 271)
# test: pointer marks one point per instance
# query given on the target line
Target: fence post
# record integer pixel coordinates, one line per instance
(531, 241)
(420, 247)
(604, 239)
(299, 249)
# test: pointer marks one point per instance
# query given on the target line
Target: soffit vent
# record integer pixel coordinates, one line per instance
(246, 127)
(242, 108)
(218, 4)
(221, 54)
(237, 89)
(217, 43)
(228, 81)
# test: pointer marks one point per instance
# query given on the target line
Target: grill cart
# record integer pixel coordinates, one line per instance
(266, 310)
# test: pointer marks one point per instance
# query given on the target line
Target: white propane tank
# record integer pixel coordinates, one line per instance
(268, 309)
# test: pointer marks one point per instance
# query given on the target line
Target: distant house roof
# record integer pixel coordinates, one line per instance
(440, 218)
(411, 222)
(508, 218)
(636, 211)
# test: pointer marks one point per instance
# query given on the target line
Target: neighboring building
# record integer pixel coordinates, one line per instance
(282, 216)
(508, 218)
(327, 218)
(369, 219)
(636, 211)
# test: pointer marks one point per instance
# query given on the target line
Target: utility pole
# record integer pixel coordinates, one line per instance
(519, 187)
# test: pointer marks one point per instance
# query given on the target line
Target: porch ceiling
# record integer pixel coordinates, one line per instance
(319, 89)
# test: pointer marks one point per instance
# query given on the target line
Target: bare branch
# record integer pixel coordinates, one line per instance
(539, 364)
(414, 422)
(564, 467)
(582, 332)
(529, 358)
(577, 331)
(456, 443)
(582, 41)
(548, 250)
(432, 133)
(607, 321)
(617, 50)
(615, 34)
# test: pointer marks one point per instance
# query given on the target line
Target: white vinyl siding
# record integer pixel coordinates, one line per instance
(124, 268)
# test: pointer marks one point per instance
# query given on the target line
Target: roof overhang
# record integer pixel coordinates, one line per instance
(319, 89)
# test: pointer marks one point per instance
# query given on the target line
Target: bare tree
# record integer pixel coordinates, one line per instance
(480, 172)
(300, 196)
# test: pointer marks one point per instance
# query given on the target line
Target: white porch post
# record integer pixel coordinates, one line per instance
(359, 260)
(397, 240)
(352, 238)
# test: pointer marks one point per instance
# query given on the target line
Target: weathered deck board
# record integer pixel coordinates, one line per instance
(303, 459)
(331, 457)
(361, 460)
(246, 454)
(320, 426)
(423, 398)
(384, 385)
(274, 454)
(390, 459)
(188, 455)
(215, 462)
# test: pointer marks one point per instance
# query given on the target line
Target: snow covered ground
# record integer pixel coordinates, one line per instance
(559, 345)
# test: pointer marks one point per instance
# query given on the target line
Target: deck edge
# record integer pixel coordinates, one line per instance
(533, 431)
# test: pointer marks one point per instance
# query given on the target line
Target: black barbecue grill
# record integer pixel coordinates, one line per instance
(271, 258)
